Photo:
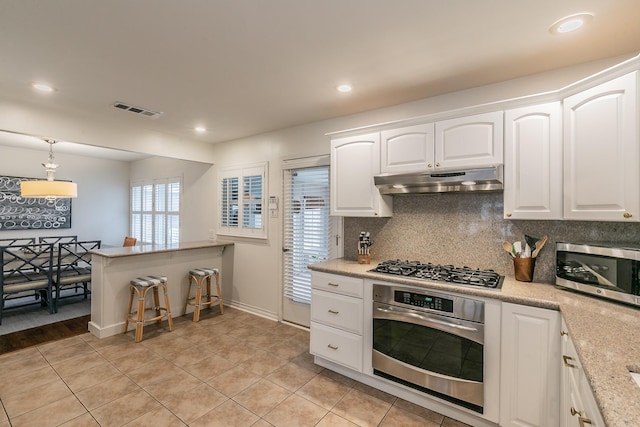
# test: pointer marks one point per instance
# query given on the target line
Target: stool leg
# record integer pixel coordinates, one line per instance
(198, 301)
(166, 304)
(156, 302)
(219, 293)
(209, 290)
(126, 322)
(186, 303)
(140, 316)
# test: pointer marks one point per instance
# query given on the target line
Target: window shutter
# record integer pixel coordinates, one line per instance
(155, 211)
(306, 216)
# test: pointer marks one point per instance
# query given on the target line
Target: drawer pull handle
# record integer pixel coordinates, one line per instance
(583, 421)
(332, 311)
(567, 362)
(333, 284)
(332, 347)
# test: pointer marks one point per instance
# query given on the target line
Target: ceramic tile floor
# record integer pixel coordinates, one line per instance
(234, 369)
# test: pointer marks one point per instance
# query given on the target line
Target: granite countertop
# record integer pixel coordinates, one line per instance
(606, 334)
(116, 252)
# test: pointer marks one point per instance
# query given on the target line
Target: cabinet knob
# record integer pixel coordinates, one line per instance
(574, 412)
(437, 165)
(627, 215)
(563, 333)
(508, 214)
(429, 165)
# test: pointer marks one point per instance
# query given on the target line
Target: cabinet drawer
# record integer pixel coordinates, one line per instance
(336, 345)
(335, 283)
(337, 310)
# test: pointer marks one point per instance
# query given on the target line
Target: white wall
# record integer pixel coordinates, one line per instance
(101, 209)
(198, 182)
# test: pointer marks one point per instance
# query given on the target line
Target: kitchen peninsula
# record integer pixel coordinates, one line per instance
(114, 268)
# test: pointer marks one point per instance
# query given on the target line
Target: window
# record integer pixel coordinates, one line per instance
(155, 211)
(241, 200)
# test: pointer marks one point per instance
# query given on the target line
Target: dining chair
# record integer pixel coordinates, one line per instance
(26, 268)
(57, 239)
(129, 241)
(73, 267)
(19, 241)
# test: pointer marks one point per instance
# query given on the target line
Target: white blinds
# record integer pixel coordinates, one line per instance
(307, 228)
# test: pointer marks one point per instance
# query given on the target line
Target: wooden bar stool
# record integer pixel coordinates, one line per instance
(199, 275)
(140, 287)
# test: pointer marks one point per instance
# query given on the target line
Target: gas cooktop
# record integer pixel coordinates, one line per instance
(441, 273)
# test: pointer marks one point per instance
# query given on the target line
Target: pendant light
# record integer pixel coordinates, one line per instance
(49, 188)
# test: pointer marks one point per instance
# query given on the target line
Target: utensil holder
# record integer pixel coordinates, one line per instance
(523, 268)
(364, 259)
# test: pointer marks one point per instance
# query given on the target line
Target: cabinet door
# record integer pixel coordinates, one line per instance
(354, 162)
(409, 149)
(473, 141)
(529, 378)
(601, 155)
(533, 162)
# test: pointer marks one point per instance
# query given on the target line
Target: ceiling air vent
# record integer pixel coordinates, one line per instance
(137, 110)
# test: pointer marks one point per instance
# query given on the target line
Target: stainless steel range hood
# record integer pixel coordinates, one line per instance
(482, 179)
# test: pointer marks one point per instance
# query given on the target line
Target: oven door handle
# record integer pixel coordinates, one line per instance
(390, 309)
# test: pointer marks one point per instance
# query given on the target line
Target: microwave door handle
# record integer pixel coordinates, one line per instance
(427, 319)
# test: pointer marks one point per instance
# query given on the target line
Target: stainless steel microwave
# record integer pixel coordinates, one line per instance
(600, 269)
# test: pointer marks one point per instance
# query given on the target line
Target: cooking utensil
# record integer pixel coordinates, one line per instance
(531, 241)
(517, 248)
(509, 248)
(539, 246)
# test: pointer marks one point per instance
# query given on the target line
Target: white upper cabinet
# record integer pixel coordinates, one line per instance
(471, 141)
(408, 149)
(354, 162)
(533, 162)
(601, 152)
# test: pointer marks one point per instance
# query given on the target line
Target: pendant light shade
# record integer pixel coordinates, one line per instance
(49, 188)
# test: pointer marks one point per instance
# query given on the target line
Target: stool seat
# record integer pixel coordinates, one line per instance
(140, 286)
(202, 272)
(200, 300)
(149, 281)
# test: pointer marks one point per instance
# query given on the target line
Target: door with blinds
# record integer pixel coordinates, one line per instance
(311, 235)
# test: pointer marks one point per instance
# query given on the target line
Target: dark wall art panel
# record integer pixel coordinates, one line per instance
(18, 213)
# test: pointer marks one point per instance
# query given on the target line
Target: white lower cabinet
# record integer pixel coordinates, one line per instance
(578, 407)
(529, 377)
(337, 319)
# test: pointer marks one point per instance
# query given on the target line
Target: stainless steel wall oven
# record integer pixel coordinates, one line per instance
(430, 341)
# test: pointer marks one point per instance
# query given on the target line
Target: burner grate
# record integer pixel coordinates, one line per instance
(441, 273)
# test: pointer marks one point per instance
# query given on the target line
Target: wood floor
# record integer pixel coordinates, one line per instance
(41, 334)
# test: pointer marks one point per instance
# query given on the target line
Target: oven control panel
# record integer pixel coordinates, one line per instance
(424, 301)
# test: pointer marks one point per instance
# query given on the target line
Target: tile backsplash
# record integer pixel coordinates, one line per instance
(468, 229)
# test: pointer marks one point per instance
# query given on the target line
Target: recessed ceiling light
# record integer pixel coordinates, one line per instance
(200, 129)
(42, 87)
(344, 88)
(570, 23)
